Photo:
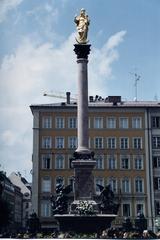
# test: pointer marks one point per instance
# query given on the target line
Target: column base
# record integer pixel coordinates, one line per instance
(84, 180)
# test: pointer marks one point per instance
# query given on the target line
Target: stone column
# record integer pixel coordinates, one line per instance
(82, 51)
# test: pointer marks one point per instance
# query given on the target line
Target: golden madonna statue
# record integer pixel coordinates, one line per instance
(82, 21)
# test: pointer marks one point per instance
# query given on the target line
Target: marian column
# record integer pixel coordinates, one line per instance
(80, 219)
(83, 162)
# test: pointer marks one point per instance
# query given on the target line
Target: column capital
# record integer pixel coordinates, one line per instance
(82, 50)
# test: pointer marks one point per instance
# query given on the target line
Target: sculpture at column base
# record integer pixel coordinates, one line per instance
(107, 204)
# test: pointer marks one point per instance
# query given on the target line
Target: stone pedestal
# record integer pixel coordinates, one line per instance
(84, 180)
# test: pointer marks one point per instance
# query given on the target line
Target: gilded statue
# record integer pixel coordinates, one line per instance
(82, 21)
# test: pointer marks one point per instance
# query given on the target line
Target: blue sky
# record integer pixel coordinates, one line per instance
(36, 56)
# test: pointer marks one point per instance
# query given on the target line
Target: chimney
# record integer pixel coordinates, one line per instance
(68, 97)
(91, 98)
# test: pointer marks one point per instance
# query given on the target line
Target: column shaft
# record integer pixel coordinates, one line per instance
(82, 106)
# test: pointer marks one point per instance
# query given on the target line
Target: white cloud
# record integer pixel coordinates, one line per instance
(33, 69)
(114, 40)
(45, 15)
(8, 137)
(6, 6)
(101, 61)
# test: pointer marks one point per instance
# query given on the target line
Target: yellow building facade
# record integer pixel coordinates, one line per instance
(121, 134)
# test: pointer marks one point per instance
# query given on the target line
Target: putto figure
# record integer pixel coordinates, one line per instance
(82, 21)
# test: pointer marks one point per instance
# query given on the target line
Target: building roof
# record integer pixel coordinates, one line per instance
(101, 104)
(19, 181)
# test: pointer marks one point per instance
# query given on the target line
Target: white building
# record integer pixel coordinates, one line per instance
(25, 187)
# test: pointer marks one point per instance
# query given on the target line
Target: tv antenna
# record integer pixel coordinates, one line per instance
(136, 79)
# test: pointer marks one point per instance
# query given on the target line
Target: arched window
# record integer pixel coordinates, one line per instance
(113, 183)
(139, 185)
(126, 185)
(59, 161)
(46, 184)
(99, 161)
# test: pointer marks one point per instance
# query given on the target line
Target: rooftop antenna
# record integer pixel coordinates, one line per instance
(136, 79)
(155, 97)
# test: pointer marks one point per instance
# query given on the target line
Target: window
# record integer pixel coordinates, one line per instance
(139, 208)
(99, 161)
(46, 184)
(138, 162)
(112, 162)
(139, 185)
(59, 122)
(98, 142)
(156, 161)
(70, 159)
(98, 122)
(124, 143)
(137, 143)
(72, 122)
(59, 180)
(59, 142)
(155, 122)
(46, 161)
(72, 142)
(99, 181)
(157, 183)
(111, 122)
(123, 122)
(59, 161)
(126, 210)
(156, 142)
(157, 208)
(46, 142)
(136, 122)
(111, 142)
(47, 122)
(113, 184)
(126, 185)
(71, 182)
(45, 209)
(89, 142)
(125, 162)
